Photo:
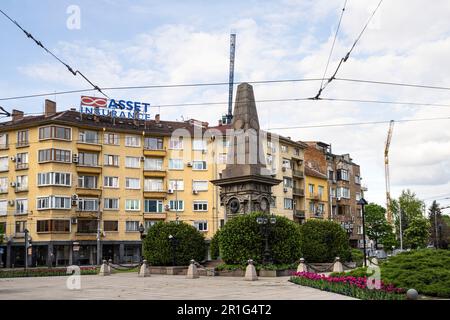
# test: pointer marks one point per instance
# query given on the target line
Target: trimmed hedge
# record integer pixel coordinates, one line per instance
(241, 239)
(45, 272)
(323, 241)
(158, 249)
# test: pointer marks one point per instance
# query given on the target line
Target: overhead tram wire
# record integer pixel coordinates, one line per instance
(40, 44)
(358, 123)
(332, 46)
(345, 58)
(393, 83)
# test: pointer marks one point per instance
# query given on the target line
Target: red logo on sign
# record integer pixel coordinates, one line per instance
(93, 102)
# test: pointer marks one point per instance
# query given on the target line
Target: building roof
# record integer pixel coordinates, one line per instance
(310, 172)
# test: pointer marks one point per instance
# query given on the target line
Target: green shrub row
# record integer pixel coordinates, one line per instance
(45, 272)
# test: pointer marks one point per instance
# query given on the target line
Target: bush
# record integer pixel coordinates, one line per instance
(214, 246)
(357, 256)
(45, 272)
(323, 241)
(159, 251)
(241, 239)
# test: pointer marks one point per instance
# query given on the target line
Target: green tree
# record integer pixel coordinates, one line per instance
(378, 228)
(439, 229)
(418, 232)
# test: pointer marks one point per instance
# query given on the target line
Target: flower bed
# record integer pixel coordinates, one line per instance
(348, 285)
(44, 272)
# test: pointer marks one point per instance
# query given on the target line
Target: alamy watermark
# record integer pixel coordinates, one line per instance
(73, 22)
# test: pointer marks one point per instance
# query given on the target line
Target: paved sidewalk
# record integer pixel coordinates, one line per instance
(130, 286)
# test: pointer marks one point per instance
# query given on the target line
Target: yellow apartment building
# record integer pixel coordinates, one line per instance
(316, 196)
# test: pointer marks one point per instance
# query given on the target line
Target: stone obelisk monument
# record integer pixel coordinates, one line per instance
(246, 183)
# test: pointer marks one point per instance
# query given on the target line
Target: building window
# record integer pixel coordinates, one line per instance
(331, 175)
(176, 184)
(311, 190)
(199, 165)
(133, 162)
(153, 164)
(320, 190)
(133, 183)
(297, 151)
(287, 182)
(201, 225)
(54, 132)
(221, 158)
(288, 204)
(358, 196)
(132, 204)
(56, 155)
(4, 141)
(21, 206)
(342, 192)
(55, 179)
(111, 139)
(111, 204)
(153, 185)
(287, 163)
(199, 144)
(273, 202)
(153, 143)
(111, 160)
(133, 141)
(21, 183)
(21, 226)
(176, 143)
(53, 202)
(333, 192)
(22, 161)
(132, 226)
(272, 147)
(357, 179)
(312, 208)
(200, 185)
(53, 226)
(4, 185)
(153, 206)
(148, 224)
(200, 206)
(4, 163)
(111, 182)
(343, 174)
(87, 182)
(87, 136)
(88, 204)
(284, 148)
(3, 209)
(87, 226)
(176, 205)
(22, 138)
(110, 226)
(225, 142)
(88, 159)
(320, 209)
(176, 164)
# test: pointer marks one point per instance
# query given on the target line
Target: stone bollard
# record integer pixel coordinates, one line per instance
(192, 272)
(109, 266)
(144, 270)
(373, 261)
(104, 269)
(412, 294)
(337, 267)
(302, 267)
(250, 272)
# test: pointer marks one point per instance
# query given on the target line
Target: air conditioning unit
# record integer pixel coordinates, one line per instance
(13, 184)
(73, 221)
(142, 159)
(74, 203)
(167, 207)
(11, 203)
(75, 158)
(189, 164)
(338, 198)
(13, 159)
(195, 191)
(285, 189)
(74, 197)
(170, 191)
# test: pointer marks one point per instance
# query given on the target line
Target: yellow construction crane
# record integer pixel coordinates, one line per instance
(386, 171)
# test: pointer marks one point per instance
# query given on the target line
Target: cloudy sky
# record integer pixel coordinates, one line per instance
(126, 43)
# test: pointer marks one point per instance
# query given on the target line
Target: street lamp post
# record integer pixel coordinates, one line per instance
(362, 202)
(266, 224)
(141, 231)
(26, 248)
(173, 243)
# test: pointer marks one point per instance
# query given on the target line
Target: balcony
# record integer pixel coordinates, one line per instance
(155, 152)
(89, 168)
(22, 144)
(299, 214)
(315, 196)
(155, 194)
(95, 192)
(155, 215)
(297, 156)
(298, 192)
(21, 166)
(20, 213)
(4, 146)
(21, 189)
(154, 173)
(317, 216)
(298, 173)
(89, 146)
